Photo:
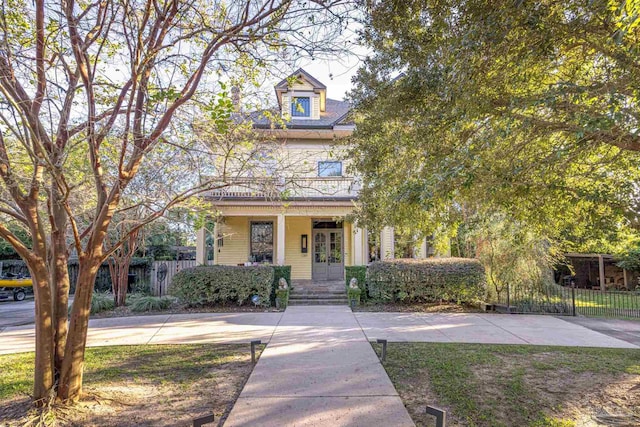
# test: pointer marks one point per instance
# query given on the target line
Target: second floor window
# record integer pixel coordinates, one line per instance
(329, 169)
(301, 107)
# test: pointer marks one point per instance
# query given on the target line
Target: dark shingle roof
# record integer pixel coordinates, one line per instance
(336, 113)
(317, 84)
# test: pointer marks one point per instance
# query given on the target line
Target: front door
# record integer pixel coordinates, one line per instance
(328, 259)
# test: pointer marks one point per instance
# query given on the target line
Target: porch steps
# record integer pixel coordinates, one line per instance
(318, 294)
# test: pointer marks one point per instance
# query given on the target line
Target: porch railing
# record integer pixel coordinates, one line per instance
(289, 188)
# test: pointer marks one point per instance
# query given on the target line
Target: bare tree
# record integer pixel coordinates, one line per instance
(88, 94)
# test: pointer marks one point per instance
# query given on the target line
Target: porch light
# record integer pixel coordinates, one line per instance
(304, 243)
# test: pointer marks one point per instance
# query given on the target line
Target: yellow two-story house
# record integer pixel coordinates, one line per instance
(293, 208)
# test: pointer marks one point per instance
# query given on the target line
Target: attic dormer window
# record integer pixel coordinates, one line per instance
(300, 106)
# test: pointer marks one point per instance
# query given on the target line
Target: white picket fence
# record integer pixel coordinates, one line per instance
(162, 273)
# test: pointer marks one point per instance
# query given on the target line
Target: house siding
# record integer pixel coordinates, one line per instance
(300, 263)
(235, 232)
(235, 249)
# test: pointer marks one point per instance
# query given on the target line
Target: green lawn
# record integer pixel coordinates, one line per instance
(185, 381)
(509, 385)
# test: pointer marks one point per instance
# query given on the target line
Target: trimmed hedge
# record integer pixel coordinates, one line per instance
(427, 280)
(222, 284)
(283, 297)
(360, 273)
(278, 272)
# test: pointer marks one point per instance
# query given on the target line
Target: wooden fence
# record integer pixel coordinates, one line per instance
(162, 273)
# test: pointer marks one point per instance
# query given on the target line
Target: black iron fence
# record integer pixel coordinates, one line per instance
(567, 301)
(590, 302)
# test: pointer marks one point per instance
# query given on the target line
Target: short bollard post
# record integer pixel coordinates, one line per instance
(384, 349)
(441, 416)
(253, 350)
(199, 422)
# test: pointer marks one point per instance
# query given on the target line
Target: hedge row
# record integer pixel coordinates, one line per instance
(427, 280)
(222, 285)
(360, 273)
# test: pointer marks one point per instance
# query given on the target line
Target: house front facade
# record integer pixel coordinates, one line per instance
(292, 207)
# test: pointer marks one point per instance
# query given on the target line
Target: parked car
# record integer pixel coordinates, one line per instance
(15, 286)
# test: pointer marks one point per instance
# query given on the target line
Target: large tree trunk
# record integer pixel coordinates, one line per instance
(70, 385)
(60, 278)
(44, 370)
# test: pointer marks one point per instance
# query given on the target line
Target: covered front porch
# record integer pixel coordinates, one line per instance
(316, 241)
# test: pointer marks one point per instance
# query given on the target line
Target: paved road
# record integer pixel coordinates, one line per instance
(13, 313)
(16, 313)
(626, 330)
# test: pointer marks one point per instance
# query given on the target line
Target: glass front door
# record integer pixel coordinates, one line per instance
(328, 255)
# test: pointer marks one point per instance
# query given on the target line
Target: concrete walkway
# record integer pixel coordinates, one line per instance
(319, 369)
(223, 328)
(485, 329)
(400, 327)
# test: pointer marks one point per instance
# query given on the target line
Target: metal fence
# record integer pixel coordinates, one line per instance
(589, 302)
(568, 301)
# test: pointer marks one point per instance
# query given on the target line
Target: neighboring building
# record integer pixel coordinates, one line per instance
(592, 270)
(290, 208)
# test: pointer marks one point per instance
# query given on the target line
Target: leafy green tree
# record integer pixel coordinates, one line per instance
(529, 108)
(90, 96)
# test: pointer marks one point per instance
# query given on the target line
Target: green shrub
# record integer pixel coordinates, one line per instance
(150, 303)
(102, 302)
(354, 294)
(278, 272)
(222, 284)
(360, 273)
(283, 296)
(427, 280)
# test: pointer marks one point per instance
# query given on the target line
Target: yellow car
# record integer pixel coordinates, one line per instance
(13, 285)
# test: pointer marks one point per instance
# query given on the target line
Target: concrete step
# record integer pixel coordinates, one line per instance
(333, 301)
(304, 294)
(318, 296)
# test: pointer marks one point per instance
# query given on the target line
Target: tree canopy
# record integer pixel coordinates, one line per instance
(527, 108)
(90, 99)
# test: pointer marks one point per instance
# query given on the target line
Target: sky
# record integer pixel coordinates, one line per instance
(341, 71)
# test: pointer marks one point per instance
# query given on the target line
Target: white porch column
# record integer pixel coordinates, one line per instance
(358, 246)
(280, 240)
(601, 269)
(422, 251)
(201, 246)
(387, 243)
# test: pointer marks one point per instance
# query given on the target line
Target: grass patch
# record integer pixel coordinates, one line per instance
(169, 382)
(507, 385)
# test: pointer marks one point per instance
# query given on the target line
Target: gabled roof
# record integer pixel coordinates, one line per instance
(284, 83)
(300, 74)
